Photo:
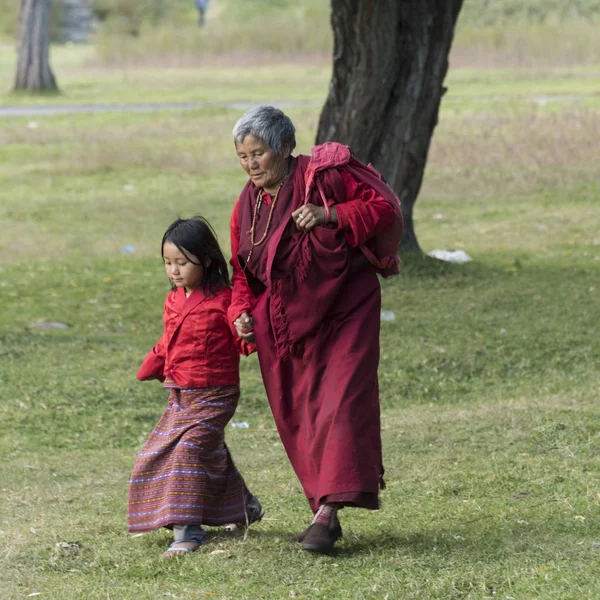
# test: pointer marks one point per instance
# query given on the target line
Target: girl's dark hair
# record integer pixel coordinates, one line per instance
(196, 236)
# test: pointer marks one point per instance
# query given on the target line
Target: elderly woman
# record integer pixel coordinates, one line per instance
(304, 292)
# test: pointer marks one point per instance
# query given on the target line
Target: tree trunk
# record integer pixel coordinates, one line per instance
(389, 62)
(33, 67)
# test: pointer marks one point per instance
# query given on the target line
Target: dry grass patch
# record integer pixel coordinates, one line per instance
(196, 143)
(527, 143)
(513, 44)
(511, 184)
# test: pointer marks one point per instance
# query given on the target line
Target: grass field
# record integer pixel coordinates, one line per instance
(489, 372)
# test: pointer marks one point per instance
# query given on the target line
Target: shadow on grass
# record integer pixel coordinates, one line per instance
(415, 264)
(418, 270)
(416, 543)
(420, 543)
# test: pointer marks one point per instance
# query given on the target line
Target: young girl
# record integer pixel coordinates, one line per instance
(184, 476)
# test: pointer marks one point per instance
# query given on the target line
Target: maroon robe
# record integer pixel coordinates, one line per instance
(316, 303)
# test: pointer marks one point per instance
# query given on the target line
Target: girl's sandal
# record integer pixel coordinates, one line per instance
(175, 550)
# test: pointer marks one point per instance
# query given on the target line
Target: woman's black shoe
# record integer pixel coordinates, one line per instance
(319, 538)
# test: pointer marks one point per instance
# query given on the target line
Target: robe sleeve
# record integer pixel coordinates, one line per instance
(243, 347)
(153, 366)
(365, 214)
(242, 300)
(219, 324)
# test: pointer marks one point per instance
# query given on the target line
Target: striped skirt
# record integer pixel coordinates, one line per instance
(184, 474)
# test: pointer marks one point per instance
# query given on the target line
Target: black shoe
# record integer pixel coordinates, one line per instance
(319, 538)
(299, 537)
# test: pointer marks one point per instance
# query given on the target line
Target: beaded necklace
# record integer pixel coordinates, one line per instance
(254, 218)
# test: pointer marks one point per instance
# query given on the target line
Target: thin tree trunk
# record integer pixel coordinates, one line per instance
(33, 66)
(389, 63)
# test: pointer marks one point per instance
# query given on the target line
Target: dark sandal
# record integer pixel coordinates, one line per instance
(336, 532)
(319, 538)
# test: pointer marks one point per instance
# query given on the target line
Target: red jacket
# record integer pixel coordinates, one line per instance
(197, 348)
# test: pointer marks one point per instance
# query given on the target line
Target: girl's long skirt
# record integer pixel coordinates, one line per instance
(184, 474)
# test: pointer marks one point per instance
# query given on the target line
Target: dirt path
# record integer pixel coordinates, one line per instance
(50, 110)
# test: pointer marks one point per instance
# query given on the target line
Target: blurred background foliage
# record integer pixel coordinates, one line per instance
(499, 32)
(501, 12)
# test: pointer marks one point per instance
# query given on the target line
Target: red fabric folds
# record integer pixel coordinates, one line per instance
(195, 330)
(379, 246)
(316, 303)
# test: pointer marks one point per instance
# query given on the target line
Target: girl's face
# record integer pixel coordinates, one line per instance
(179, 269)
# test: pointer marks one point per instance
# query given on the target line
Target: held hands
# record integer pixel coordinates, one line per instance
(309, 216)
(244, 325)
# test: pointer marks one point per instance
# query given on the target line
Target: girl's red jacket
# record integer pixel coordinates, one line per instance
(197, 348)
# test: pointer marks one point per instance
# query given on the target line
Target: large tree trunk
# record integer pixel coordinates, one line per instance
(33, 67)
(389, 63)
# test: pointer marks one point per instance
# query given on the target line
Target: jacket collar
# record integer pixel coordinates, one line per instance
(185, 305)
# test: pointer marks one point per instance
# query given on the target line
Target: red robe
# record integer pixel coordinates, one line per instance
(316, 303)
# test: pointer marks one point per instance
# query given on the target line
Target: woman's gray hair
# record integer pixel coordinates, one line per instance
(268, 124)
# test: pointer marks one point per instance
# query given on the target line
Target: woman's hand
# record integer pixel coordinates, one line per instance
(309, 216)
(244, 327)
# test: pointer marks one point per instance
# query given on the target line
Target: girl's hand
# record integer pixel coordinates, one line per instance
(244, 326)
(309, 216)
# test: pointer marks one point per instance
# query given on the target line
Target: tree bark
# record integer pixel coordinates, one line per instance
(390, 59)
(33, 66)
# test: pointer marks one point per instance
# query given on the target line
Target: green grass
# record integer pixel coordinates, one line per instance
(83, 83)
(489, 372)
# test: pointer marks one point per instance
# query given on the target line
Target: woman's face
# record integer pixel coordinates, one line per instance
(266, 168)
